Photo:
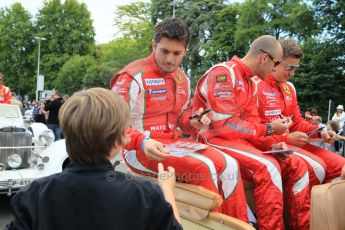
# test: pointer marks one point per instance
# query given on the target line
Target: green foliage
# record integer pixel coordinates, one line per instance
(16, 47)
(118, 53)
(199, 16)
(281, 19)
(133, 21)
(98, 76)
(320, 78)
(221, 46)
(68, 31)
(72, 73)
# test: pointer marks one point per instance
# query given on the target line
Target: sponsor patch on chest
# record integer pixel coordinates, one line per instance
(269, 94)
(222, 94)
(155, 81)
(273, 112)
(157, 91)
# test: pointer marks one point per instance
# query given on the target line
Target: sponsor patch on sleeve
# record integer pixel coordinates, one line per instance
(221, 78)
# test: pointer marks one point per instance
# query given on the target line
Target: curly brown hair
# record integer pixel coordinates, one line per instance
(172, 28)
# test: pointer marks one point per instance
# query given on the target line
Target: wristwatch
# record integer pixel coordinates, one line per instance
(269, 130)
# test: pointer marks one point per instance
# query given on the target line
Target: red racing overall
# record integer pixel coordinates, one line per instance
(157, 101)
(280, 99)
(228, 90)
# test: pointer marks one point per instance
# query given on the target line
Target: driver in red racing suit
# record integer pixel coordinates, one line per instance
(158, 92)
(230, 92)
(277, 98)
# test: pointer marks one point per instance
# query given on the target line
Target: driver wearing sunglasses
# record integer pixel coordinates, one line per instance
(277, 98)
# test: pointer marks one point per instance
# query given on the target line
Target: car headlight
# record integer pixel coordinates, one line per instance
(47, 137)
(14, 161)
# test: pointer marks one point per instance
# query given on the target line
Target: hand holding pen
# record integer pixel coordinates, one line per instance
(200, 119)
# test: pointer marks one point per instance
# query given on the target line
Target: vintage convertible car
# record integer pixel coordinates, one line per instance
(27, 150)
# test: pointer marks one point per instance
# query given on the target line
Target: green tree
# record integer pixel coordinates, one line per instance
(118, 53)
(200, 18)
(320, 78)
(68, 31)
(221, 46)
(72, 73)
(16, 49)
(281, 19)
(322, 75)
(98, 76)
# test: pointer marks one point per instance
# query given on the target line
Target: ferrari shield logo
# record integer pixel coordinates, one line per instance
(286, 89)
(179, 78)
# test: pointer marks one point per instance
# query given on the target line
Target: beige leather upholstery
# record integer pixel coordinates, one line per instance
(196, 203)
(328, 206)
(230, 221)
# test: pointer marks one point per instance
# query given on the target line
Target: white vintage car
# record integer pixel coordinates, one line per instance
(27, 150)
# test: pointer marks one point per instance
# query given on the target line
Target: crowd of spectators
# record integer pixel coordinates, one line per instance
(336, 124)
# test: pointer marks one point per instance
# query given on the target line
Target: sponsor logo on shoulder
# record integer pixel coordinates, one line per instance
(221, 78)
(157, 91)
(273, 112)
(155, 81)
(286, 89)
(221, 86)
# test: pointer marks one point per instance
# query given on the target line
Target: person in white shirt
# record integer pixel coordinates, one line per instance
(339, 116)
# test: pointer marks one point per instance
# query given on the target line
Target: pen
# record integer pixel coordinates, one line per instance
(315, 131)
(196, 115)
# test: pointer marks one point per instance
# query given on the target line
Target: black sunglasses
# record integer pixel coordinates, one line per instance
(275, 60)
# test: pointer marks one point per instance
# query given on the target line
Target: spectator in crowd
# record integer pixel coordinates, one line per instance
(89, 194)
(40, 114)
(65, 97)
(15, 101)
(230, 91)
(334, 126)
(53, 105)
(317, 120)
(339, 116)
(5, 92)
(158, 92)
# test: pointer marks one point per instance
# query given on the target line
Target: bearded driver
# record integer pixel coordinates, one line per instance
(158, 92)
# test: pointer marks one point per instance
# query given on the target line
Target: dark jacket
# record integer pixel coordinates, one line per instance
(53, 107)
(91, 197)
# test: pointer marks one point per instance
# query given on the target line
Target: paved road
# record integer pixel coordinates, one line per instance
(5, 211)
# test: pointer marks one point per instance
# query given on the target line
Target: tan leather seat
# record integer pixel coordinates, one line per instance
(196, 203)
(328, 206)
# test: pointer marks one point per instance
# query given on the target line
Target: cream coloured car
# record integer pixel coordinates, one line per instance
(27, 150)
